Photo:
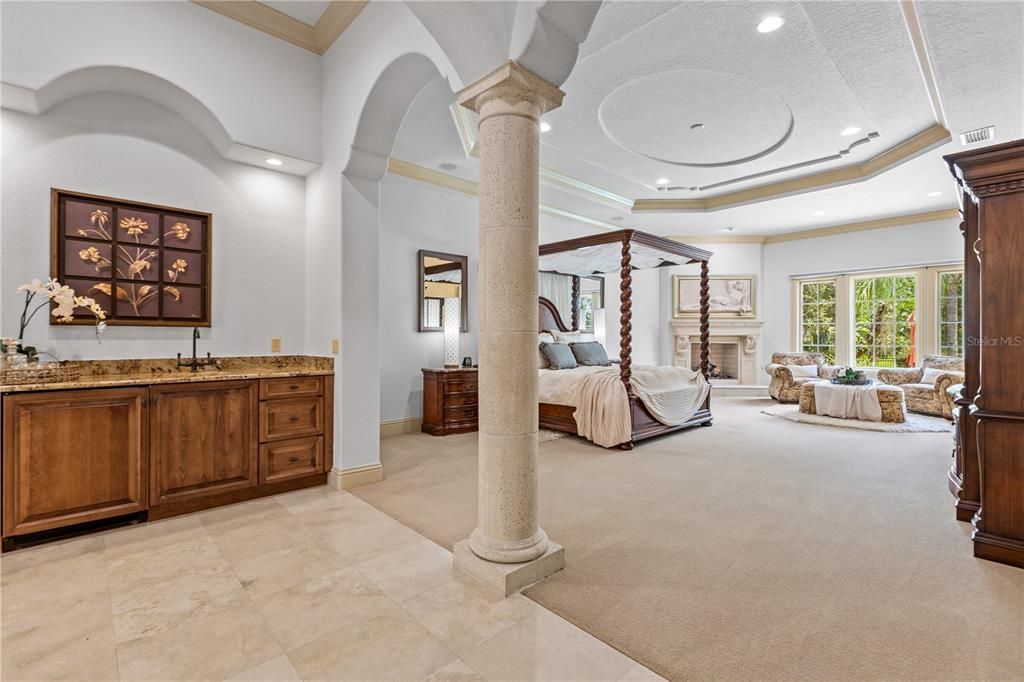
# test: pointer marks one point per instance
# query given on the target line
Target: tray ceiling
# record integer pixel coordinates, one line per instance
(770, 157)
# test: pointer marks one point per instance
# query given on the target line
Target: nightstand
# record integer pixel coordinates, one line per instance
(449, 401)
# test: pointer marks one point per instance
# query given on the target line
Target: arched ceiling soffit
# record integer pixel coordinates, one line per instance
(127, 81)
(479, 36)
(389, 99)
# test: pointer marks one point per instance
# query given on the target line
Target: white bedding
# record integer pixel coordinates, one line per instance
(671, 394)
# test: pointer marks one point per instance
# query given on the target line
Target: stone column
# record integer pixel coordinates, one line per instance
(510, 102)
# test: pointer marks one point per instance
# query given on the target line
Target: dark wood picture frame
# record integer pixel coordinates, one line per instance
(422, 272)
(176, 271)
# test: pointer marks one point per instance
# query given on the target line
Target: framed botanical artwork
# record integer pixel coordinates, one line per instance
(729, 295)
(144, 264)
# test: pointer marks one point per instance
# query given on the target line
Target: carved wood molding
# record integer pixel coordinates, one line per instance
(575, 303)
(705, 314)
(1008, 187)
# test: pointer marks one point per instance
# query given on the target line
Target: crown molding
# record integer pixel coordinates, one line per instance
(318, 38)
(430, 176)
(930, 138)
(894, 221)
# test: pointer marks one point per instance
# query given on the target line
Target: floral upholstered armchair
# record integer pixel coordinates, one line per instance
(786, 381)
(925, 386)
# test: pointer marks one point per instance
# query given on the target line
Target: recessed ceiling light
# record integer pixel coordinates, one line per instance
(661, 181)
(545, 126)
(934, 194)
(447, 166)
(274, 162)
(819, 213)
(852, 130)
(769, 24)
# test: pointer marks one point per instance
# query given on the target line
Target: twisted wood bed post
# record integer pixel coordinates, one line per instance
(575, 303)
(705, 326)
(626, 317)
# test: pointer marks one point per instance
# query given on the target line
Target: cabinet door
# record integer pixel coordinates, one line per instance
(203, 439)
(72, 456)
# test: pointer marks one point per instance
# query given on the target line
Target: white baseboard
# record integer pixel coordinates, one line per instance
(396, 427)
(346, 479)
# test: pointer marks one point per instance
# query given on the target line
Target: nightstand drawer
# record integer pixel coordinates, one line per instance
(459, 414)
(291, 387)
(460, 400)
(281, 419)
(459, 387)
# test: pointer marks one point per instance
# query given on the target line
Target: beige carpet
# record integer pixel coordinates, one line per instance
(755, 549)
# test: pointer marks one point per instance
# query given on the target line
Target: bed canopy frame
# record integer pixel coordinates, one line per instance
(623, 251)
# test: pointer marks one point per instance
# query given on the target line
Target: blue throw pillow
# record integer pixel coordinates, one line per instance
(558, 355)
(590, 353)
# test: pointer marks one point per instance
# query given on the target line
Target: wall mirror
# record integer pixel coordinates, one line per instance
(442, 290)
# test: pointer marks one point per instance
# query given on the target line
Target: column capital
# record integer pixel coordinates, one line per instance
(510, 81)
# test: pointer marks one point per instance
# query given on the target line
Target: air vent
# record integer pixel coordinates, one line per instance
(977, 135)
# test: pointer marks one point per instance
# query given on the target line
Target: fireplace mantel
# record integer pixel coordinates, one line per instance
(743, 331)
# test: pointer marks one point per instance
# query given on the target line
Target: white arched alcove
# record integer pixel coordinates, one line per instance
(386, 105)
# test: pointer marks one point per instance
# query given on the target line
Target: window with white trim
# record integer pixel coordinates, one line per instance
(950, 317)
(885, 321)
(818, 318)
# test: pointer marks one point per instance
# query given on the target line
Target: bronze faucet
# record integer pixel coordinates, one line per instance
(195, 363)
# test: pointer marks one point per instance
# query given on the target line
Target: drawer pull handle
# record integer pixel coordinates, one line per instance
(293, 460)
(293, 418)
(293, 387)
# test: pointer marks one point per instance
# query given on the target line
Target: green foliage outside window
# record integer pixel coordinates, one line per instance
(818, 318)
(884, 316)
(951, 313)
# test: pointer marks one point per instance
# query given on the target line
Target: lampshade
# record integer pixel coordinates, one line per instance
(452, 324)
(599, 328)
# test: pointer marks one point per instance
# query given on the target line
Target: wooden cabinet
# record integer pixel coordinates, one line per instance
(76, 456)
(294, 416)
(992, 184)
(203, 439)
(72, 456)
(449, 401)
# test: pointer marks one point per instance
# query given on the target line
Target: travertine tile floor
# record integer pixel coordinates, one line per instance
(314, 584)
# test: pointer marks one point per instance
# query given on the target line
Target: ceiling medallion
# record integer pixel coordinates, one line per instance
(644, 116)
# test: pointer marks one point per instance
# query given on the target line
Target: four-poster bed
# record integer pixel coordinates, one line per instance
(622, 251)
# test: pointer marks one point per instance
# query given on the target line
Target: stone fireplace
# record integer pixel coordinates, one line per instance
(732, 348)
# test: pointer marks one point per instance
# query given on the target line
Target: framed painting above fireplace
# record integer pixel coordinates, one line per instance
(145, 264)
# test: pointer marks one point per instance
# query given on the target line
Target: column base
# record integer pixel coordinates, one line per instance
(507, 579)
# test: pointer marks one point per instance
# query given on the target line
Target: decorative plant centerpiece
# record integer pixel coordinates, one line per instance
(852, 377)
(64, 302)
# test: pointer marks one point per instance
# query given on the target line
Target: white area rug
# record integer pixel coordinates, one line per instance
(916, 423)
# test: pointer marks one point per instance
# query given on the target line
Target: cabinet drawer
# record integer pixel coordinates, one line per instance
(460, 386)
(291, 387)
(291, 458)
(281, 419)
(460, 400)
(459, 414)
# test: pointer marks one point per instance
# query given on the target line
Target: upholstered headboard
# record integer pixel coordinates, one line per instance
(548, 317)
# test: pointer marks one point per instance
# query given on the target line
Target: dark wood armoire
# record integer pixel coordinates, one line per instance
(991, 437)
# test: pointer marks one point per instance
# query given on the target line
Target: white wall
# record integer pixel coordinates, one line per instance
(127, 147)
(905, 245)
(416, 216)
(250, 81)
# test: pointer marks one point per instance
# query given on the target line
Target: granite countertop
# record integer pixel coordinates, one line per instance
(99, 373)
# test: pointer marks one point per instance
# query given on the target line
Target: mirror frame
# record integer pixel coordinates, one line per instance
(463, 262)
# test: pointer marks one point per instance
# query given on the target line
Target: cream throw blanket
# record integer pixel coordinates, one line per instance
(847, 402)
(671, 394)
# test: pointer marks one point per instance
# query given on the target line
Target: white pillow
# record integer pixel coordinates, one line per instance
(931, 374)
(565, 337)
(801, 371)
